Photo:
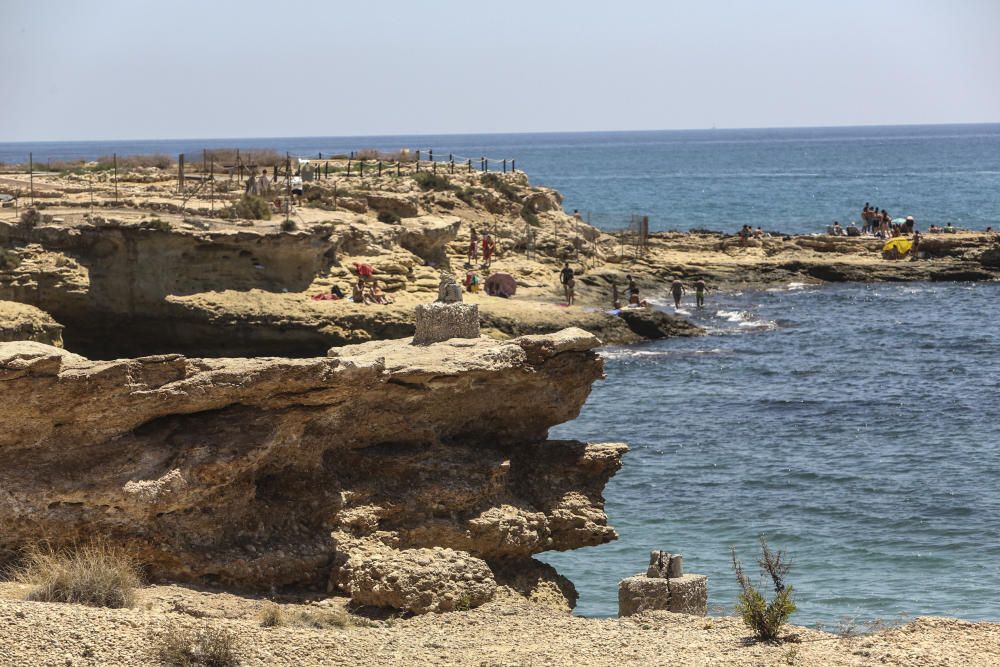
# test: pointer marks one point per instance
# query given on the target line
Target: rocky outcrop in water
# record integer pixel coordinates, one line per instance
(387, 470)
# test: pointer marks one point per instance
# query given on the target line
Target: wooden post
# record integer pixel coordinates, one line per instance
(180, 172)
(430, 154)
(204, 161)
(239, 165)
(470, 165)
(31, 177)
(486, 164)
(434, 166)
(116, 178)
(512, 168)
(380, 168)
(349, 167)
(211, 177)
(361, 169)
(288, 187)
(397, 167)
(452, 163)
(505, 165)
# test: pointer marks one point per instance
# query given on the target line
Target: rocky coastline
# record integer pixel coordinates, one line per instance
(172, 385)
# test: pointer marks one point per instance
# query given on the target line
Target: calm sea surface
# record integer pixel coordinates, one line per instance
(857, 426)
(785, 180)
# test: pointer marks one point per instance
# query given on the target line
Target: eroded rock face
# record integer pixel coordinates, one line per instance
(267, 472)
(19, 321)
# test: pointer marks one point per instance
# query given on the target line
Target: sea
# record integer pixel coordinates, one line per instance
(855, 426)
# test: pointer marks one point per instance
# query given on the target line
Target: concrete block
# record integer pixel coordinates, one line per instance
(443, 321)
(687, 594)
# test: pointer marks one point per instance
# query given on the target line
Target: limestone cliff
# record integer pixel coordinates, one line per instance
(405, 475)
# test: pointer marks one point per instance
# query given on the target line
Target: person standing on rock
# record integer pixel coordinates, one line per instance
(699, 292)
(473, 246)
(568, 282)
(677, 290)
(488, 246)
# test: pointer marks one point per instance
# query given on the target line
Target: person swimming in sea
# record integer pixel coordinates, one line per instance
(677, 289)
(699, 292)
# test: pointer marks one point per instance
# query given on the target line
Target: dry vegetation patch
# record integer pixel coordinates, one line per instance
(206, 647)
(97, 574)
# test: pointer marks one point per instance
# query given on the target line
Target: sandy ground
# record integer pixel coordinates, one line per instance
(501, 633)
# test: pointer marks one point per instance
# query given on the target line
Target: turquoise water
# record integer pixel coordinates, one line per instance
(856, 426)
(784, 180)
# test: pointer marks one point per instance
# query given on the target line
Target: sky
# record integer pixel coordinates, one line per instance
(139, 69)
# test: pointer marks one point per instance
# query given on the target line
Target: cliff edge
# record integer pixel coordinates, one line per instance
(412, 477)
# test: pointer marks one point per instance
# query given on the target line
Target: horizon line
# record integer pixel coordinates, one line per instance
(494, 133)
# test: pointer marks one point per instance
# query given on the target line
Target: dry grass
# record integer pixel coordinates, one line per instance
(160, 161)
(275, 616)
(208, 647)
(97, 574)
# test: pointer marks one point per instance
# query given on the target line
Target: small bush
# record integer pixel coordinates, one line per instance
(498, 183)
(30, 218)
(157, 224)
(388, 217)
(251, 207)
(98, 574)
(431, 181)
(763, 617)
(288, 225)
(530, 216)
(9, 260)
(274, 616)
(159, 161)
(208, 647)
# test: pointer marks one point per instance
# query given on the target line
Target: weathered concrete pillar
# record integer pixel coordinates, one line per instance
(442, 321)
(664, 587)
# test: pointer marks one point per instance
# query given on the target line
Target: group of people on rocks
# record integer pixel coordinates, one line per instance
(747, 232)
(488, 245)
(677, 291)
(878, 223)
(365, 290)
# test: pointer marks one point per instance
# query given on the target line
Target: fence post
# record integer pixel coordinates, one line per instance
(31, 177)
(211, 178)
(116, 178)
(380, 168)
(397, 167)
(430, 154)
(434, 166)
(451, 164)
(349, 167)
(512, 168)
(180, 172)
(505, 165)
(486, 164)
(361, 169)
(470, 165)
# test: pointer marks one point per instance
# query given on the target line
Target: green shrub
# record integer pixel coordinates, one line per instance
(156, 224)
(431, 181)
(9, 260)
(208, 647)
(388, 217)
(765, 618)
(30, 218)
(498, 183)
(97, 574)
(530, 216)
(251, 207)
(288, 225)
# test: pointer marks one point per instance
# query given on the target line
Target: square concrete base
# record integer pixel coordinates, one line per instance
(687, 594)
(443, 321)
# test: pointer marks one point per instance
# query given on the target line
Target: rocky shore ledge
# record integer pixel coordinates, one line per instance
(413, 477)
(165, 270)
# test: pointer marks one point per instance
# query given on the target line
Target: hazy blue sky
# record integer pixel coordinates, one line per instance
(114, 69)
